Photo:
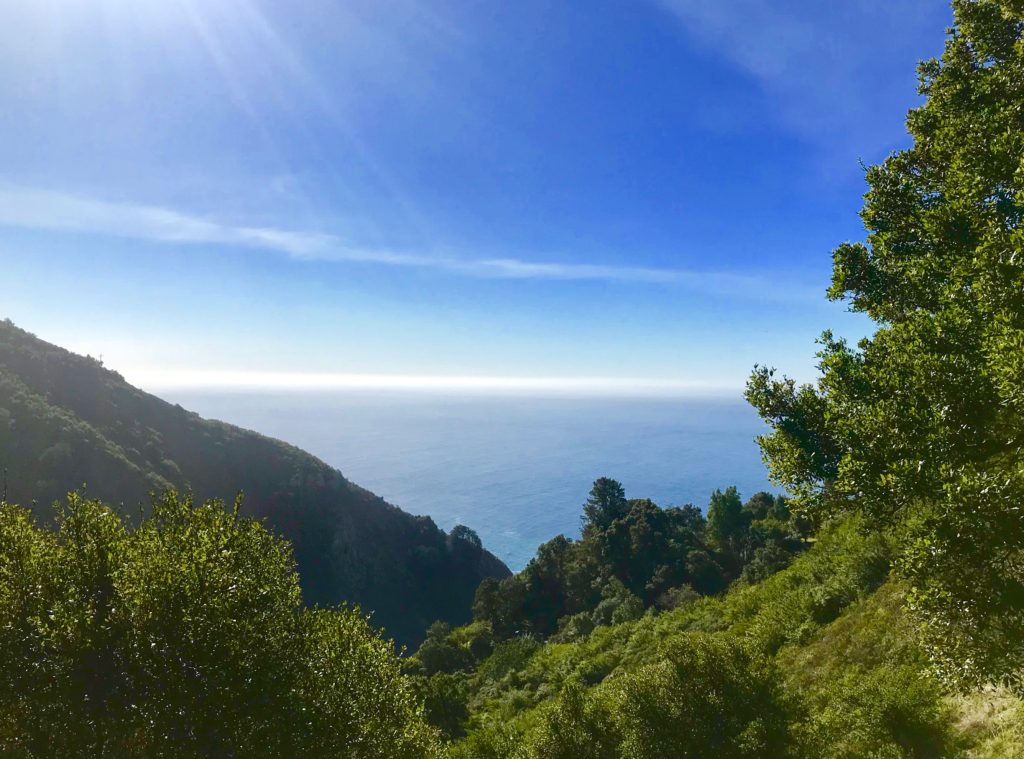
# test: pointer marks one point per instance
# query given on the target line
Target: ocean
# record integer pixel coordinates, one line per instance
(515, 469)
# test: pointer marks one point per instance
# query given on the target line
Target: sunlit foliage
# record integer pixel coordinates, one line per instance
(922, 425)
(184, 636)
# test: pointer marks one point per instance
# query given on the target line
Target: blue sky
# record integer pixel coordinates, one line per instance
(640, 193)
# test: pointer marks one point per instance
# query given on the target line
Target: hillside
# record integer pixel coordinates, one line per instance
(818, 660)
(67, 423)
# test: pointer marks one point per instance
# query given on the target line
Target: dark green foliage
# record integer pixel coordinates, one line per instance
(766, 561)
(440, 670)
(705, 574)
(185, 636)
(65, 421)
(676, 597)
(631, 555)
(438, 653)
(444, 702)
(763, 506)
(726, 520)
(922, 425)
(508, 657)
(461, 533)
(605, 504)
(617, 604)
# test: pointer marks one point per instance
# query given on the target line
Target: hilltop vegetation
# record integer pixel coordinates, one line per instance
(633, 555)
(67, 422)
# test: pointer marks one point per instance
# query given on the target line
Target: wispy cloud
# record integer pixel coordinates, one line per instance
(825, 67)
(34, 208)
(761, 37)
(40, 209)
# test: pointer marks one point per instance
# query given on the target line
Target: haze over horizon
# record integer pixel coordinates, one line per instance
(571, 197)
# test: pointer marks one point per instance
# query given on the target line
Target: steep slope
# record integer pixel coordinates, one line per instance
(818, 660)
(67, 422)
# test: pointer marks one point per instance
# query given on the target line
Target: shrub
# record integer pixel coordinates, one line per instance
(185, 637)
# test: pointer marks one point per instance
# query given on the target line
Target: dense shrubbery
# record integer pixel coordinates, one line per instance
(695, 681)
(185, 636)
(817, 661)
(633, 558)
(704, 696)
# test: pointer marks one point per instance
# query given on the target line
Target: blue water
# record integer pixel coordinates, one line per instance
(515, 469)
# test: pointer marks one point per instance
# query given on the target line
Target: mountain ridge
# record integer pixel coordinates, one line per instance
(66, 421)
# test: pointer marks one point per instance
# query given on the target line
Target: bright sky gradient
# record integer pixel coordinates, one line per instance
(640, 193)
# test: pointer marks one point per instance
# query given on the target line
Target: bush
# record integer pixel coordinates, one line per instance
(509, 656)
(185, 637)
(444, 699)
(767, 561)
(673, 598)
(706, 697)
(890, 712)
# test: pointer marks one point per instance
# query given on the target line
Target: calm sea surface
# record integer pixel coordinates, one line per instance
(515, 469)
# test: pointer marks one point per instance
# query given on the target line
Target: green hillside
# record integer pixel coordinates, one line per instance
(67, 423)
(818, 660)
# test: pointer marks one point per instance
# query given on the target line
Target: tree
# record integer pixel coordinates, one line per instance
(606, 503)
(501, 605)
(922, 425)
(706, 575)
(467, 535)
(438, 653)
(638, 547)
(487, 601)
(464, 545)
(767, 560)
(726, 521)
(545, 583)
(576, 725)
(766, 506)
(688, 517)
(184, 636)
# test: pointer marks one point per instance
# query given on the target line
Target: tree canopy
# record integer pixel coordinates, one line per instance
(922, 425)
(633, 556)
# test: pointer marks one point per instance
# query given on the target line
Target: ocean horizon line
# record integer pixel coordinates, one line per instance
(233, 381)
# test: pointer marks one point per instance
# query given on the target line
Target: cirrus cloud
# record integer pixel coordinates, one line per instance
(42, 209)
